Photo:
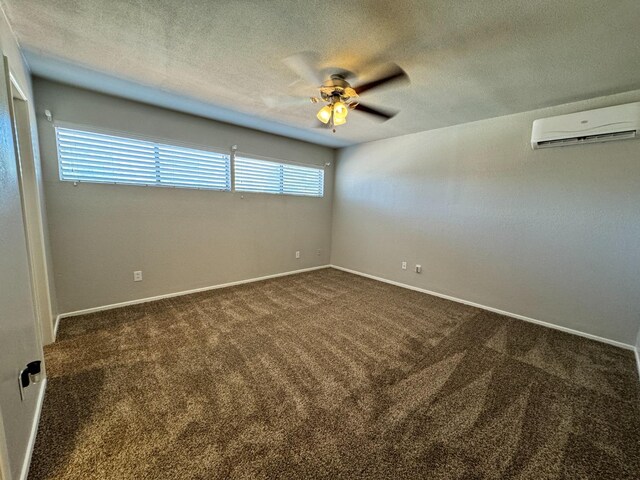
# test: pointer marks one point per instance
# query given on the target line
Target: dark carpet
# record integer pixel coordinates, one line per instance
(330, 375)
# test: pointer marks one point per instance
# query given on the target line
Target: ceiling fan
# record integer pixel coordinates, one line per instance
(335, 90)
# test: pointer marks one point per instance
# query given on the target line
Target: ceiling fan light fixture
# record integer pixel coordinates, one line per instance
(339, 120)
(324, 115)
(340, 110)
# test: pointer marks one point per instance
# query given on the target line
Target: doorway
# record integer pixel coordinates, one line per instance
(32, 198)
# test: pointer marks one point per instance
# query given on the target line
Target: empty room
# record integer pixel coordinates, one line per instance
(319, 240)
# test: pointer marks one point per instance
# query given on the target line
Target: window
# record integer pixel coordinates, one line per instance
(85, 156)
(95, 157)
(252, 175)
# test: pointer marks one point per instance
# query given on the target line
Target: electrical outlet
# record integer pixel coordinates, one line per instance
(137, 276)
(404, 265)
(298, 254)
(319, 252)
(418, 268)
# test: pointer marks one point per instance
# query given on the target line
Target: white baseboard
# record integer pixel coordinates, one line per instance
(178, 294)
(55, 327)
(34, 432)
(491, 309)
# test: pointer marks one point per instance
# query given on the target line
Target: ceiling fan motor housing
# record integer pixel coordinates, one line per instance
(337, 88)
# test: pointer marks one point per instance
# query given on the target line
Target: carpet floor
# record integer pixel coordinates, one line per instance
(330, 375)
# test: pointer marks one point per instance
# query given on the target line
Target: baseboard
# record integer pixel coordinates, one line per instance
(178, 294)
(55, 327)
(495, 310)
(34, 432)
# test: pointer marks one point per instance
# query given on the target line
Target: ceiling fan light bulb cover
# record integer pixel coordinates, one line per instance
(340, 110)
(339, 120)
(324, 115)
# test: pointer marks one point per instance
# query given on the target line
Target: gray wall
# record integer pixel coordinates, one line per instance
(549, 234)
(180, 238)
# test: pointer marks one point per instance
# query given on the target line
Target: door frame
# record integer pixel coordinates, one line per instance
(32, 208)
(9, 470)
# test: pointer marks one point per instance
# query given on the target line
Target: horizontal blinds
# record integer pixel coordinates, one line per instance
(252, 175)
(298, 180)
(95, 157)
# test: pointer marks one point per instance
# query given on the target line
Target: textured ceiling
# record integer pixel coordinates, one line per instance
(467, 60)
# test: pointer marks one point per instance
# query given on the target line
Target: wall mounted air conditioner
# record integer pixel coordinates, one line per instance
(602, 125)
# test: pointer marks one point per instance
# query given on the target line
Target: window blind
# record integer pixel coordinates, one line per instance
(99, 158)
(252, 175)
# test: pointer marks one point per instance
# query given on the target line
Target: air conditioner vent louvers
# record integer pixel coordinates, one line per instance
(588, 139)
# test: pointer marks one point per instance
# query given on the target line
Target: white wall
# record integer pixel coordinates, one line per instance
(548, 234)
(181, 239)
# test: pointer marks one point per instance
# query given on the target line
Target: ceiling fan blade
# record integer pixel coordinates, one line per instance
(381, 114)
(305, 64)
(395, 74)
(281, 101)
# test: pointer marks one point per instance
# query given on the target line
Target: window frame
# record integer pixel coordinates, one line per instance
(230, 153)
(280, 163)
(157, 141)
